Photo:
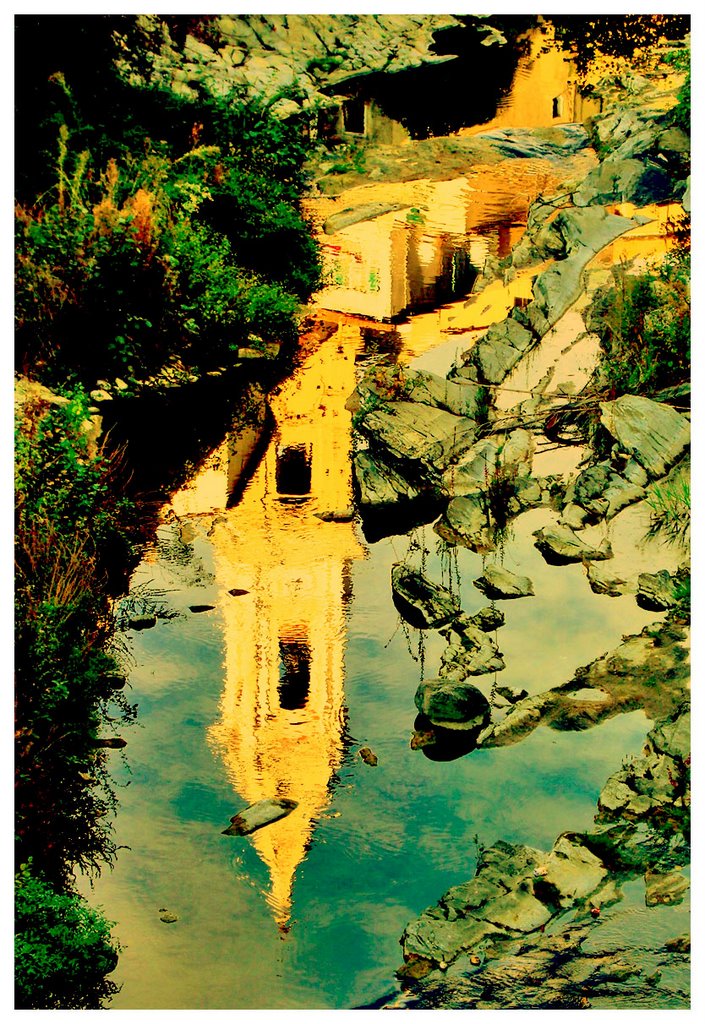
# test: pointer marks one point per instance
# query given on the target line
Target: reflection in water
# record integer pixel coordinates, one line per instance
(544, 89)
(431, 250)
(280, 731)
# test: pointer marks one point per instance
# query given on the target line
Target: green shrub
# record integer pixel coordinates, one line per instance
(70, 527)
(146, 246)
(63, 949)
(643, 321)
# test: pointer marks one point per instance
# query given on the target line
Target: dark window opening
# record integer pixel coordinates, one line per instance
(294, 469)
(354, 115)
(557, 106)
(294, 674)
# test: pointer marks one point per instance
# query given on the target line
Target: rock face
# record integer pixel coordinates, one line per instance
(618, 180)
(264, 812)
(500, 350)
(380, 486)
(452, 703)
(498, 582)
(655, 434)
(422, 603)
(267, 53)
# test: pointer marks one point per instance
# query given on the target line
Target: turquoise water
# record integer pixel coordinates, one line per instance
(383, 842)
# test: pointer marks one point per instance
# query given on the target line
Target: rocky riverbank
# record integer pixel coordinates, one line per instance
(525, 931)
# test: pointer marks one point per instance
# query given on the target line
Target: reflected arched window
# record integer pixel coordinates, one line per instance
(293, 472)
(294, 672)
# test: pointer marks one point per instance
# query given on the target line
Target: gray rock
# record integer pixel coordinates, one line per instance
(498, 898)
(674, 140)
(488, 619)
(257, 815)
(656, 591)
(452, 703)
(422, 603)
(498, 582)
(472, 470)
(379, 485)
(456, 395)
(656, 435)
(423, 438)
(517, 452)
(617, 180)
(570, 872)
(470, 652)
(528, 492)
(466, 522)
(560, 545)
(573, 516)
(603, 580)
(512, 694)
(601, 491)
(635, 473)
(555, 291)
(356, 214)
(519, 911)
(668, 887)
(672, 736)
(500, 349)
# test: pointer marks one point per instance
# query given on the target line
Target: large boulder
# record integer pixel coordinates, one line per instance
(452, 703)
(570, 872)
(500, 349)
(585, 232)
(655, 434)
(423, 604)
(460, 920)
(466, 522)
(422, 439)
(472, 470)
(455, 395)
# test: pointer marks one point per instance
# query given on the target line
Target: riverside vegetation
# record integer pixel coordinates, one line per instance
(154, 231)
(149, 229)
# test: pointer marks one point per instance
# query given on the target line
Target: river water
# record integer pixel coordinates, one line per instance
(278, 653)
(273, 689)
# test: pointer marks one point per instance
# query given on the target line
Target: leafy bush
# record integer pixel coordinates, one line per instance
(63, 949)
(160, 218)
(69, 527)
(643, 321)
